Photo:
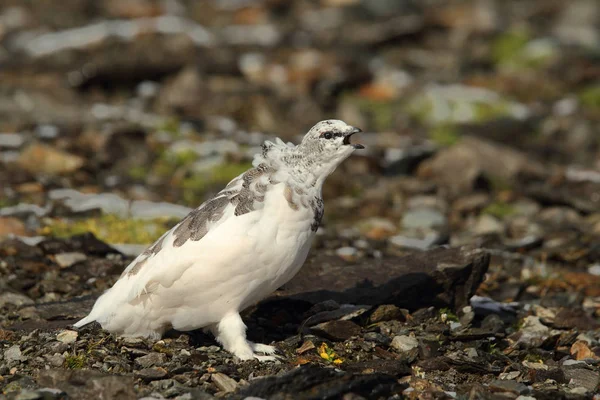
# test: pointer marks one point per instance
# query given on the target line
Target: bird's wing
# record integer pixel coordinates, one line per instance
(178, 249)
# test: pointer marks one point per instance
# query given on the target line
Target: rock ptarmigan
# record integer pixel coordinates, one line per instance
(233, 250)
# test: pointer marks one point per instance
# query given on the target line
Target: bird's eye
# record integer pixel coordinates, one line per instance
(328, 135)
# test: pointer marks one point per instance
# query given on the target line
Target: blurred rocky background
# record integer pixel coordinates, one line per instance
(481, 120)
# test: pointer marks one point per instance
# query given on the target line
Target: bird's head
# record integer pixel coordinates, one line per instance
(327, 144)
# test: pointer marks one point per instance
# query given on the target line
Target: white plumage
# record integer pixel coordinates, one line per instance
(233, 250)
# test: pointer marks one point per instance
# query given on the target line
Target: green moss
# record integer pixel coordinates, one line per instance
(8, 202)
(590, 96)
(74, 361)
(516, 50)
(444, 135)
(138, 172)
(171, 126)
(535, 358)
(381, 113)
(508, 45)
(111, 228)
(499, 210)
(449, 315)
(487, 112)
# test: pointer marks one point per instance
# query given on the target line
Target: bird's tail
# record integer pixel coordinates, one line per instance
(83, 322)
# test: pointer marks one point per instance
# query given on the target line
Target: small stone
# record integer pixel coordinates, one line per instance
(133, 341)
(582, 377)
(151, 360)
(486, 224)
(347, 253)
(471, 352)
(338, 330)
(14, 299)
(512, 375)
(509, 386)
(388, 312)
(48, 160)
(65, 260)
(12, 226)
(404, 343)
(581, 351)
(306, 346)
(28, 395)
(67, 337)
(407, 346)
(224, 382)
(151, 374)
(533, 332)
(13, 353)
(377, 338)
(11, 140)
(377, 228)
(56, 360)
(569, 318)
(594, 270)
(423, 218)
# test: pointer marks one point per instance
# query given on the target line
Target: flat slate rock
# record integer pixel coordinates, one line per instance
(311, 382)
(85, 384)
(442, 277)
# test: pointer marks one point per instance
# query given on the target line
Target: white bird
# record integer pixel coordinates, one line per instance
(232, 251)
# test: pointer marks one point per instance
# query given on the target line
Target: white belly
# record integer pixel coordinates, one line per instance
(275, 246)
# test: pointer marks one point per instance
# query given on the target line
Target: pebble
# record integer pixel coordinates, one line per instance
(67, 337)
(594, 270)
(338, 330)
(423, 218)
(11, 140)
(404, 343)
(40, 158)
(224, 382)
(65, 260)
(509, 386)
(151, 360)
(151, 374)
(14, 299)
(387, 312)
(13, 353)
(347, 253)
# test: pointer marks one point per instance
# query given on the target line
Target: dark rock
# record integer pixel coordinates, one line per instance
(14, 247)
(74, 308)
(151, 360)
(391, 367)
(492, 323)
(509, 386)
(542, 375)
(345, 311)
(440, 277)
(569, 318)
(151, 374)
(337, 330)
(435, 364)
(82, 384)
(474, 162)
(387, 312)
(583, 377)
(85, 243)
(310, 382)
(377, 338)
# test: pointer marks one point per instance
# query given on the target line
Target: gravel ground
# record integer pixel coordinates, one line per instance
(459, 255)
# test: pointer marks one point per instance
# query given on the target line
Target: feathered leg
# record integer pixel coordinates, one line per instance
(231, 333)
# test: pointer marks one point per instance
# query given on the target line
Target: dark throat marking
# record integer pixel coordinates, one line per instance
(318, 209)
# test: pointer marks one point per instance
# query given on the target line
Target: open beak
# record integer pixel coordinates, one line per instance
(347, 139)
